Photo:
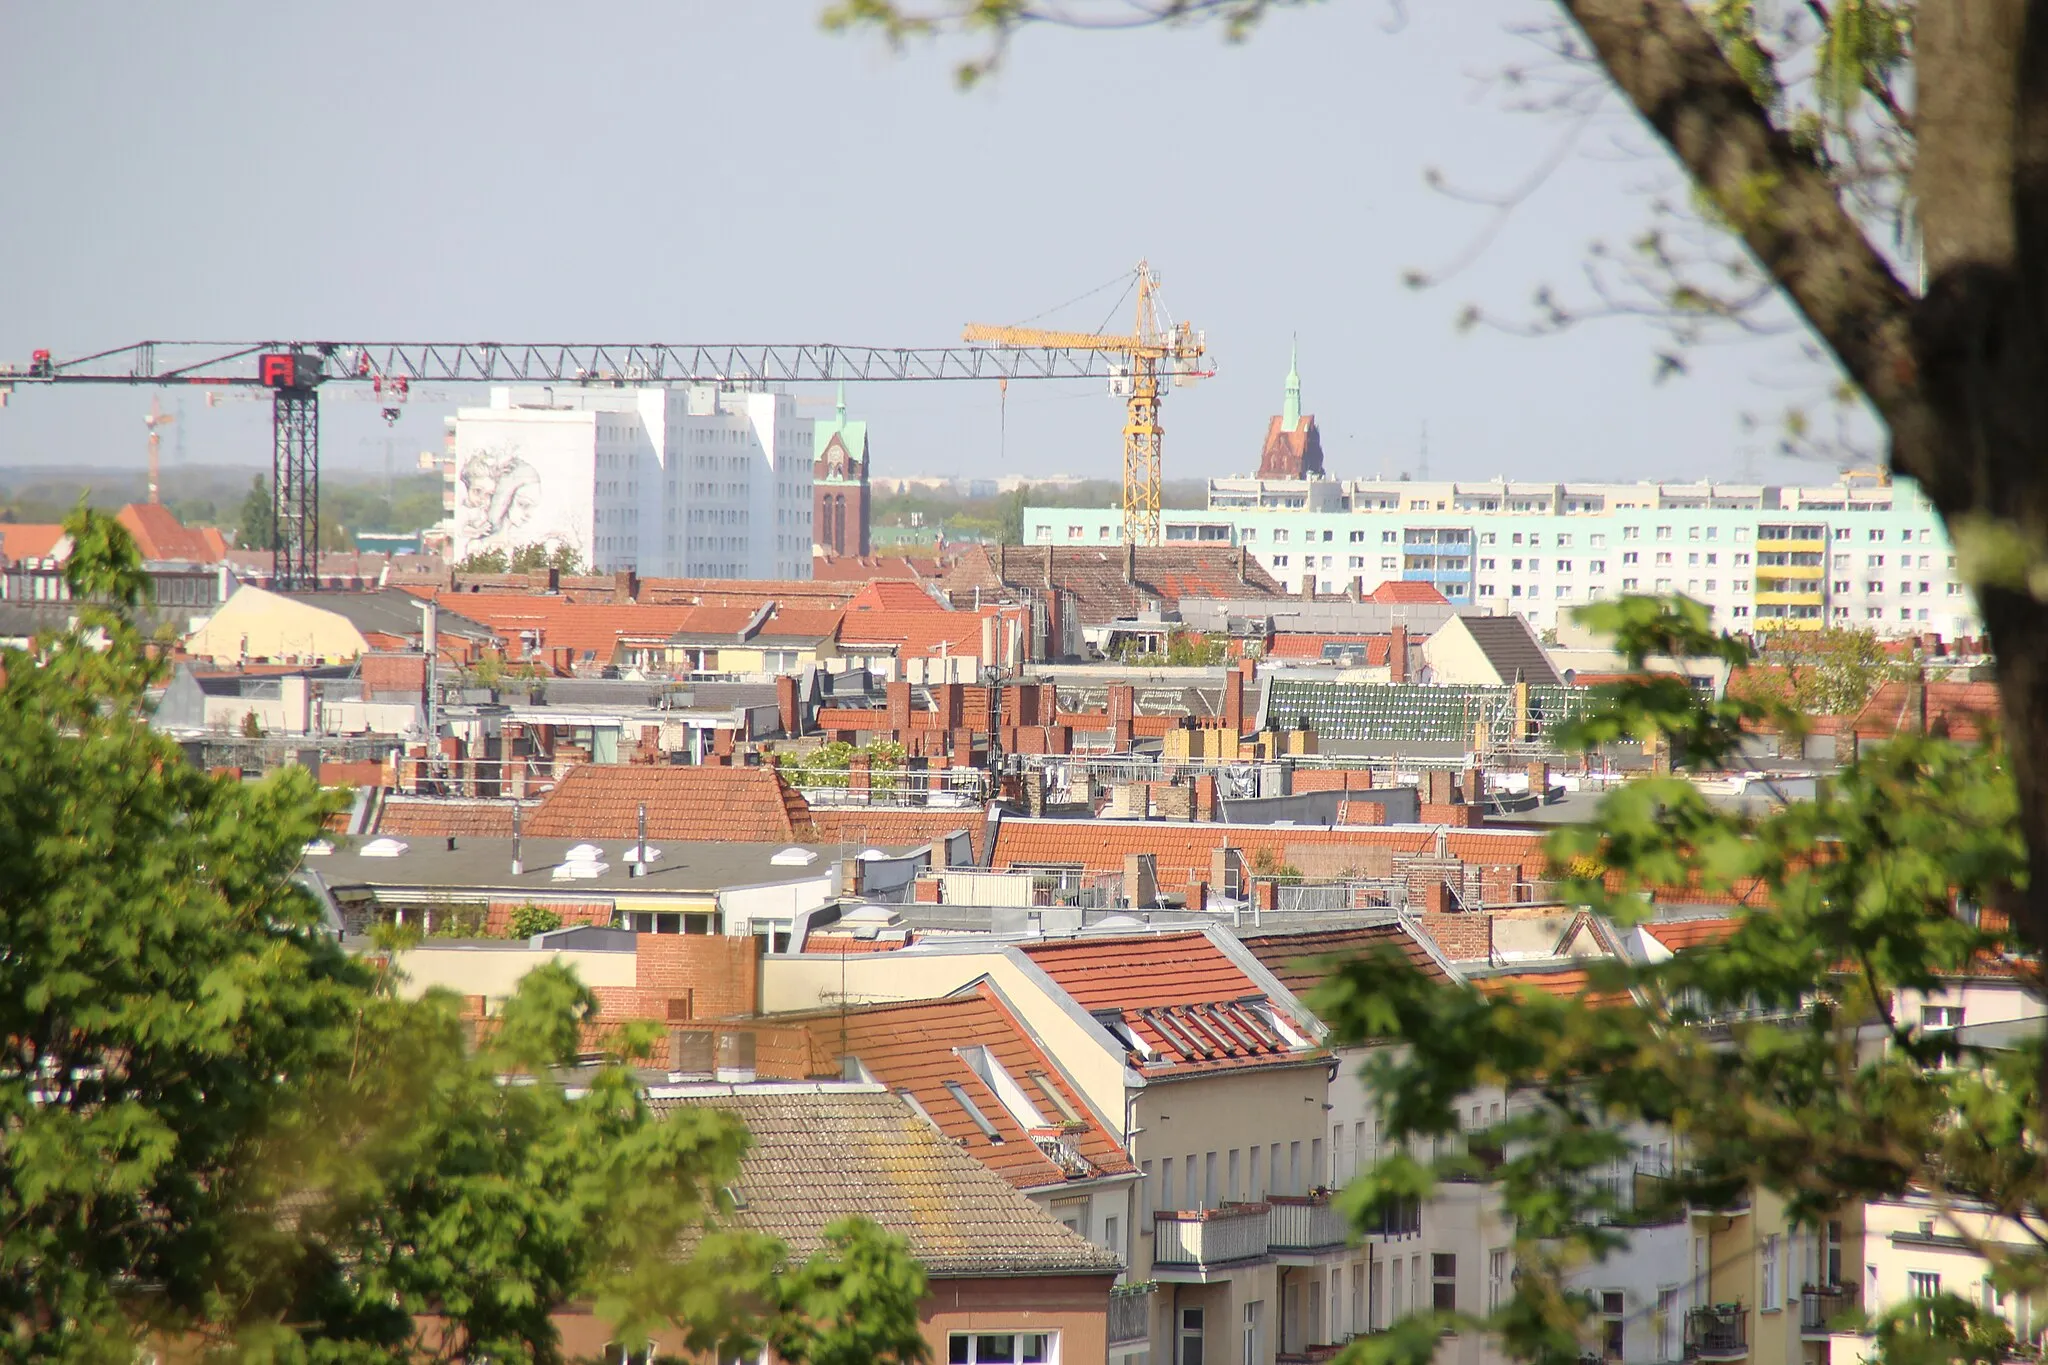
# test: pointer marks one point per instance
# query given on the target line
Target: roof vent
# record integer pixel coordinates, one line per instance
(588, 853)
(318, 848)
(384, 848)
(794, 857)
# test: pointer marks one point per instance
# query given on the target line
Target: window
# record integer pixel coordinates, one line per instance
(1515, 564)
(1496, 1278)
(1841, 585)
(1234, 1188)
(1254, 1324)
(1877, 535)
(1941, 1016)
(1923, 1284)
(1631, 584)
(1831, 1253)
(1443, 1281)
(1612, 1321)
(1770, 1298)
(1390, 561)
(1007, 1348)
(1358, 537)
(1630, 557)
(1692, 533)
(1485, 563)
(1875, 561)
(1742, 533)
(1663, 533)
(1563, 566)
(1663, 556)
(1279, 561)
(1389, 538)
(1328, 536)
(1489, 538)
(1112, 1234)
(1631, 532)
(1190, 1336)
(1667, 1324)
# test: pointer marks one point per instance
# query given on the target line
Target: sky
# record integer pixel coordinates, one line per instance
(686, 171)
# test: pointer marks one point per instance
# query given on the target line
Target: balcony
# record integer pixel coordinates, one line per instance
(1717, 1333)
(1301, 1226)
(1192, 1246)
(1130, 1313)
(1309, 1355)
(1821, 1305)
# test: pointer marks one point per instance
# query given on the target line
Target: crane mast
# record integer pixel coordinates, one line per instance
(1156, 348)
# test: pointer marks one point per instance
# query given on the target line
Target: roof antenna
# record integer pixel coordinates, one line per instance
(1422, 465)
(518, 845)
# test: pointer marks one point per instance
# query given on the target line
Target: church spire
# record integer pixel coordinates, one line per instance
(842, 402)
(1290, 413)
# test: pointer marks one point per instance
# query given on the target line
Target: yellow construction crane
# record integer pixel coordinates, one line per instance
(1157, 348)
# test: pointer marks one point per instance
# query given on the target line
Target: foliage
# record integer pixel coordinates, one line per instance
(1266, 863)
(1776, 1058)
(532, 558)
(255, 528)
(1830, 672)
(492, 670)
(828, 765)
(530, 919)
(252, 728)
(1184, 649)
(222, 1127)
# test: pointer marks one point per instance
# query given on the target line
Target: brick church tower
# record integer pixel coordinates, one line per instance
(1294, 448)
(839, 485)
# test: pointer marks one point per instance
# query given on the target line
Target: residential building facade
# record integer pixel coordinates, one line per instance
(1868, 555)
(698, 481)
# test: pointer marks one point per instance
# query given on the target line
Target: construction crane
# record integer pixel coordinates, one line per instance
(294, 372)
(1156, 348)
(156, 420)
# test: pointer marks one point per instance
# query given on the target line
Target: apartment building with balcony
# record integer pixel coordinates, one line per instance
(1760, 556)
(1215, 1080)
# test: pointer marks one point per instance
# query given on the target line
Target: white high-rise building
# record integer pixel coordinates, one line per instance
(693, 481)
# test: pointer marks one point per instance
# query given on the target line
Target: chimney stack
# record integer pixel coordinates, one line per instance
(1308, 587)
(1130, 562)
(1397, 654)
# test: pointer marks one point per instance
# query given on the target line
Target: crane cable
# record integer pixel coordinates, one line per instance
(1125, 278)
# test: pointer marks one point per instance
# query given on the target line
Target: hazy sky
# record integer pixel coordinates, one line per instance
(680, 171)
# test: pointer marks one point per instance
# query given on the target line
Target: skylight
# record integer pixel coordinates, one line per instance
(973, 1111)
(794, 857)
(384, 848)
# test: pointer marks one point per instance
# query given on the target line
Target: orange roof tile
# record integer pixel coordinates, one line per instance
(894, 594)
(1183, 849)
(1569, 984)
(915, 1047)
(160, 535)
(1179, 994)
(871, 568)
(29, 540)
(1680, 934)
(1965, 710)
(1375, 648)
(426, 818)
(1298, 959)
(733, 805)
(1398, 590)
(584, 629)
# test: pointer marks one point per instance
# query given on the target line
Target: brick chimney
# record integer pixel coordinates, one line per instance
(1233, 703)
(1308, 587)
(1130, 563)
(786, 706)
(1397, 654)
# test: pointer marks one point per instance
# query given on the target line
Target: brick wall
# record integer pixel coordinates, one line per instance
(1460, 937)
(722, 972)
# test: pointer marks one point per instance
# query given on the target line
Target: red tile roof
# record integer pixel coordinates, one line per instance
(1299, 959)
(1680, 934)
(915, 1047)
(159, 535)
(1375, 648)
(1093, 580)
(29, 540)
(1571, 983)
(1183, 849)
(1398, 590)
(921, 634)
(583, 629)
(1179, 994)
(1964, 709)
(868, 568)
(433, 819)
(894, 594)
(732, 805)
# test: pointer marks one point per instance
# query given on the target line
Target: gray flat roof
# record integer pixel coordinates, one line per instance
(486, 865)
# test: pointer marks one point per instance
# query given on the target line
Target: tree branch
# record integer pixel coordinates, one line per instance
(1777, 197)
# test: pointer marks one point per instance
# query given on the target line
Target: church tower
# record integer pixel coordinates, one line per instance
(839, 485)
(1294, 448)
